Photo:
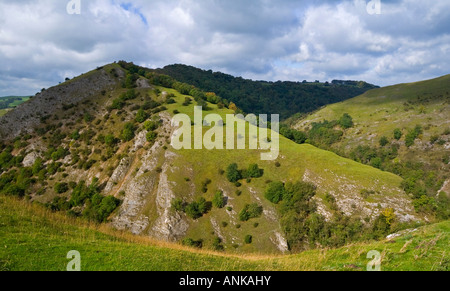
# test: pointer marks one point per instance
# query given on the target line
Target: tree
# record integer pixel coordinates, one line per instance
(254, 171)
(383, 141)
(398, 134)
(61, 188)
(219, 200)
(250, 211)
(110, 140)
(275, 192)
(150, 125)
(346, 121)
(232, 106)
(128, 131)
(141, 116)
(197, 208)
(233, 174)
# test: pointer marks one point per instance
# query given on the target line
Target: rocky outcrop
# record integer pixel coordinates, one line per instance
(169, 225)
(146, 208)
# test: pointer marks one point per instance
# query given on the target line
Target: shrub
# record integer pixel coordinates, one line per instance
(233, 174)
(248, 239)
(217, 244)
(61, 188)
(250, 211)
(178, 205)
(398, 134)
(275, 192)
(150, 125)
(110, 140)
(189, 242)
(254, 171)
(128, 131)
(218, 200)
(383, 141)
(197, 208)
(151, 136)
(141, 116)
(346, 121)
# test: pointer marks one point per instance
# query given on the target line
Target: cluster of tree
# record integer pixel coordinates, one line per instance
(305, 228)
(233, 173)
(194, 210)
(321, 134)
(259, 97)
(96, 207)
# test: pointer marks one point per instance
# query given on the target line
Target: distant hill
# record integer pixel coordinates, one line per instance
(261, 97)
(8, 102)
(404, 129)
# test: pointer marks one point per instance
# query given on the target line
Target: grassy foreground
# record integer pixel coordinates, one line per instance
(33, 238)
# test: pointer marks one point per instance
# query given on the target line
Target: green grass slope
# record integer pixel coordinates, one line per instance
(377, 113)
(34, 238)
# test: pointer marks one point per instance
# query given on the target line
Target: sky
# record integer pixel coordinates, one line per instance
(383, 42)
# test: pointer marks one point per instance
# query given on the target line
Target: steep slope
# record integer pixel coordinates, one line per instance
(261, 97)
(94, 135)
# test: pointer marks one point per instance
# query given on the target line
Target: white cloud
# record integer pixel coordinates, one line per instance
(40, 44)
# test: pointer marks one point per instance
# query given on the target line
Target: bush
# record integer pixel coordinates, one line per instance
(217, 244)
(383, 141)
(346, 121)
(248, 239)
(151, 136)
(218, 200)
(413, 135)
(150, 125)
(254, 171)
(398, 134)
(141, 116)
(250, 211)
(100, 208)
(189, 242)
(128, 131)
(61, 188)
(178, 205)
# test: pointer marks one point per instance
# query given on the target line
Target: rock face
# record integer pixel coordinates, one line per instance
(146, 208)
(169, 225)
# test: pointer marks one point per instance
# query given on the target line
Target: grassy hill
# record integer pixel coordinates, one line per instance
(379, 113)
(34, 238)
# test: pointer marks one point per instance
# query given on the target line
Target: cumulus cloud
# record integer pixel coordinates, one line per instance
(41, 44)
